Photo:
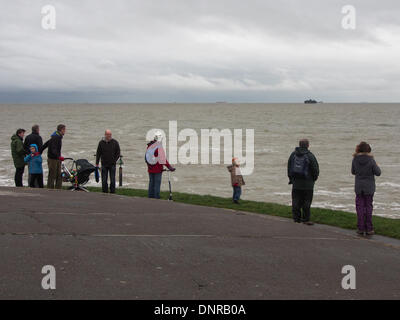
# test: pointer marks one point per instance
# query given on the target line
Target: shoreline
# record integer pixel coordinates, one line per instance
(342, 219)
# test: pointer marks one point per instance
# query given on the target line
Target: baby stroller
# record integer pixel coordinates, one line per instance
(78, 173)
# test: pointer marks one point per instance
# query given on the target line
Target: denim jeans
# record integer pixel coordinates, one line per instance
(301, 204)
(155, 185)
(237, 191)
(104, 179)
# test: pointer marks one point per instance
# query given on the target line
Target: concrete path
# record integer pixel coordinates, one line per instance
(115, 247)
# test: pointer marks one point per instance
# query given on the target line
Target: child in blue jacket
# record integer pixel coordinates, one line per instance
(34, 160)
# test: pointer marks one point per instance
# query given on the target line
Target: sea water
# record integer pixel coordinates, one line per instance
(333, 130)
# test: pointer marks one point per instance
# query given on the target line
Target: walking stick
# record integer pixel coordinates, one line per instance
(169, 184)
(120, 170)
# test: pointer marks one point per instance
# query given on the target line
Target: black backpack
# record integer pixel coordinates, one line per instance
(300, 165)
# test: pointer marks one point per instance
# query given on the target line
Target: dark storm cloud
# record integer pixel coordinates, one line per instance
(199, 51)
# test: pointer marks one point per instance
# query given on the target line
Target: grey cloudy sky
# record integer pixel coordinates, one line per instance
(204, 50)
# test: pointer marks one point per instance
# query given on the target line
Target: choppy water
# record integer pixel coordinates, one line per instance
(333, 129)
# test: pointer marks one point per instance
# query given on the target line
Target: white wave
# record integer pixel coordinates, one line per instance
(264, 150)
(335, 194)
(73, 153)
(329, 205)
(388, 184)
(282, 193)
(388, 215)
(347, 189)
(6, 182)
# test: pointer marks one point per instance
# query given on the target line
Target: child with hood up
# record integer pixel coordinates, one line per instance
(236, 180)
(34, 160)
(365, 169)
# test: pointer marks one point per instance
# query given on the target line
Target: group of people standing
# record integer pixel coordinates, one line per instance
(302, 171)
(29, 152)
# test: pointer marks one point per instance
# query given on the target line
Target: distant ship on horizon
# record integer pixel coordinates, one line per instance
(312, 101)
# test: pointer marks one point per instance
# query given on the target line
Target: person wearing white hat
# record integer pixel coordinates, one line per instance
(156, 160)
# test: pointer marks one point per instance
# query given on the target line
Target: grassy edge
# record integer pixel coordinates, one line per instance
(347, 220)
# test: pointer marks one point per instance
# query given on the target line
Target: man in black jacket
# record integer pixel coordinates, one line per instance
(33, 138)
(54, 157)
(303, 171)
(108, 152)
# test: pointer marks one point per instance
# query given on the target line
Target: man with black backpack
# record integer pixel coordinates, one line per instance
(303, 171)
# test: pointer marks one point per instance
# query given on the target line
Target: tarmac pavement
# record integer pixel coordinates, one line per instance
(115, 247)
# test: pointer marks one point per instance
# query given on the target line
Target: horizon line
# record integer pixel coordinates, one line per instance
(197, 102)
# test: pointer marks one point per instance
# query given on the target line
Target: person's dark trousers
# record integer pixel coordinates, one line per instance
(301, 204)
(237, 191)
(54, 177)
(155, 185)
(105, 171)
(36, 179)
(29, 182)
(364, 207)
(19, 172)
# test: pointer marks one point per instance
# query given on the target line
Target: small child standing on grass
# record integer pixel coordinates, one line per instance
(34, 159)
(236, 180)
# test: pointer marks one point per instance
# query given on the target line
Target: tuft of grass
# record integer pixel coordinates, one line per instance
(347, 220)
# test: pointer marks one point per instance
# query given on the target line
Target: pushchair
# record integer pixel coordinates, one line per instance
(78, 173)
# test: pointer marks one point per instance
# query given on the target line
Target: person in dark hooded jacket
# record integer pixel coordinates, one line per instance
(18, 153)
(365, 168)
(303, 171)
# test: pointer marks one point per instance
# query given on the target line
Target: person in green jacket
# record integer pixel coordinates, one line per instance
(303, 171)
(18, 153)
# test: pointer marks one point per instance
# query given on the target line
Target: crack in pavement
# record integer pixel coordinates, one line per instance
(104, 235)
(170, 236)
(36, 219)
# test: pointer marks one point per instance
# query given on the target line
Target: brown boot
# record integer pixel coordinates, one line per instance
(309, 223)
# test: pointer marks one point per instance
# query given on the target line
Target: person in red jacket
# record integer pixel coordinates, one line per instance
(156, 160)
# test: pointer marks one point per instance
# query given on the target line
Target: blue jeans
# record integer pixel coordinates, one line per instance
(155, 185)
(237, 191)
